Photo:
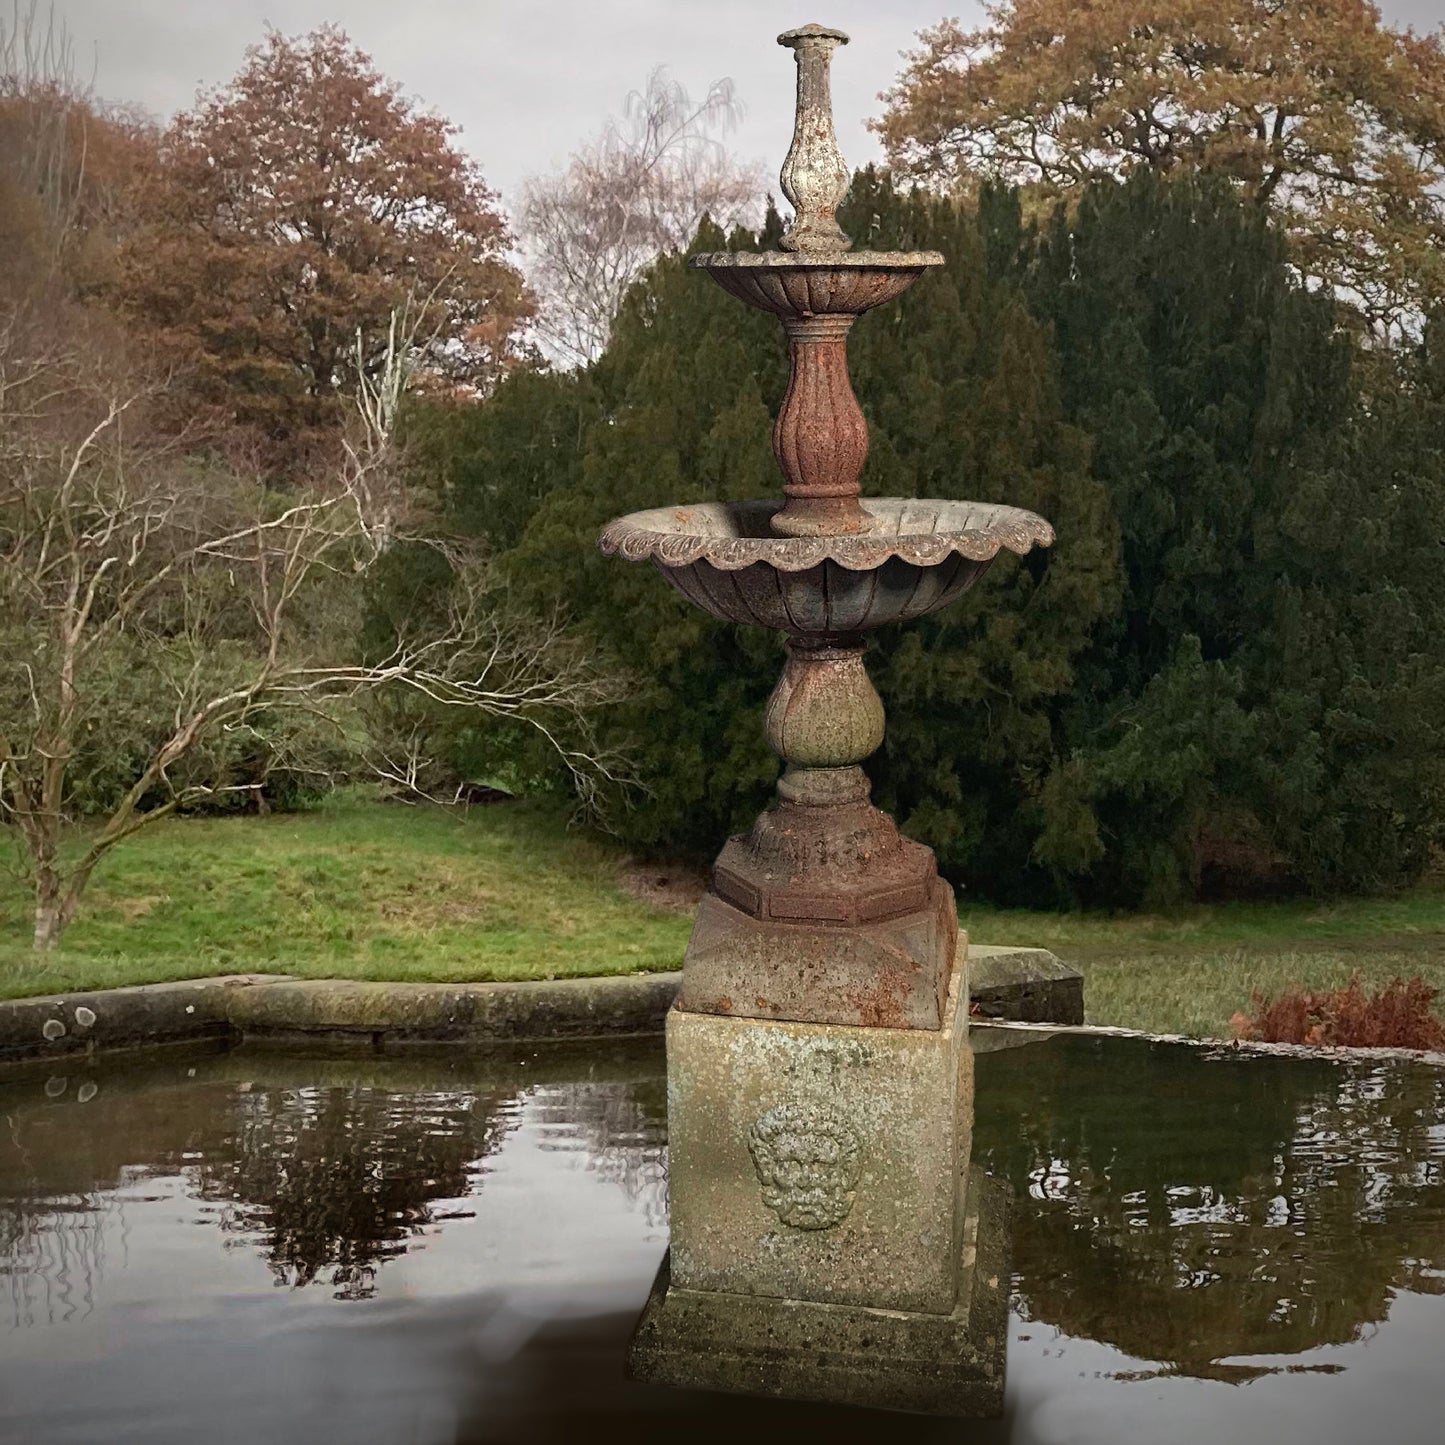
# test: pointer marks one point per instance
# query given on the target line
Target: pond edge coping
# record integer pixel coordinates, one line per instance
(230, 1008)
(1334, 1053)
(1007, 982)
(373, 1015)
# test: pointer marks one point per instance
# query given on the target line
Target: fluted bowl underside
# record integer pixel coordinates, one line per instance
(918, 557)
(801, 284)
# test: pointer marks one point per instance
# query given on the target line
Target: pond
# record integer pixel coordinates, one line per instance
(448, 1247)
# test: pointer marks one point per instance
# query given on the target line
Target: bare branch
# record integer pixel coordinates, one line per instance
(642, 188)
(236, 606)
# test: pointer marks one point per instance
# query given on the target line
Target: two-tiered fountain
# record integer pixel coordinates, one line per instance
(828, 1239)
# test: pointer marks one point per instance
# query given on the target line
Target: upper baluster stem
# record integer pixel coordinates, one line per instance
(814, 175)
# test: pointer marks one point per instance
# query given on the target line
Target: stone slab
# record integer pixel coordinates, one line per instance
(840, 1354)
(821, 1162)
(384, 1014)
(1030, 985)
(57, 1026)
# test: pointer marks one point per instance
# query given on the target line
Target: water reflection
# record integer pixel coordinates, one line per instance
(491, 1226)
(623, 1132)
(328, 1174)
(52, 1253)
(333, 1181)
(1192, 1208)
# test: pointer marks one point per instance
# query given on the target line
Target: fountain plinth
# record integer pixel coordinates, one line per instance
(828, 1239)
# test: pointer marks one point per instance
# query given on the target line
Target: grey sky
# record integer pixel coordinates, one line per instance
(527, 79)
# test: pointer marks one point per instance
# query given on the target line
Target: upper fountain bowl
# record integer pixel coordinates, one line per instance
(918, 556)
(802, 284)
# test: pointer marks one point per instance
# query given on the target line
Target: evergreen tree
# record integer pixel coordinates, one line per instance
(960, 386)
(1260, 708)
(1225, 672)
(492, 465)
(681, 415)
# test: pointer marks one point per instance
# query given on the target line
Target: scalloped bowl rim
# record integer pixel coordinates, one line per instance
(679, 536)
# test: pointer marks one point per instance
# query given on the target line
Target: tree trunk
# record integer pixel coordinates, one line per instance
(48, 921)
(53, 909)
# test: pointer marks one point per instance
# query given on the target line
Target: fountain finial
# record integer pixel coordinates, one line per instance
(814, 175)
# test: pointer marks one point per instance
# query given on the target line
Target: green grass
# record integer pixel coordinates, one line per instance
(1196, 993)
(353, 890)
(359, 889)
(1189, 970)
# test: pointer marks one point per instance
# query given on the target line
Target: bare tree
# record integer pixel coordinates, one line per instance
(235, 602)
(41, 108)
(640, 189)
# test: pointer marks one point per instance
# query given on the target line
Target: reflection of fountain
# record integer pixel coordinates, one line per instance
(819, 1078)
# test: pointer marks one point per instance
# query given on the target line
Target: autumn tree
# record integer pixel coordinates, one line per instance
(641, 188)
(297, 209)
(1313, 108)
(71, 168)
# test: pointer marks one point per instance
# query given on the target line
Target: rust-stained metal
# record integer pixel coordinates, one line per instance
(823, 912)
(820, 437)
(803, 286)
(882, 975)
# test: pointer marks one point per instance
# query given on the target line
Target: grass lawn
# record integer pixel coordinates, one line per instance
(355, 889)
(359, 889)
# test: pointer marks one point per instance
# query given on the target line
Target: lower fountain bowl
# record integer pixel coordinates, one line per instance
(917, 557)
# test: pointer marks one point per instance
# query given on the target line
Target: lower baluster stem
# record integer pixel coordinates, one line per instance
(820, 437)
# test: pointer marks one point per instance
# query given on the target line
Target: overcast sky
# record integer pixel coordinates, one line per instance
(527, 79)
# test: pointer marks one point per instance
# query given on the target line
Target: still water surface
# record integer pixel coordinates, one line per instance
(264, 1247)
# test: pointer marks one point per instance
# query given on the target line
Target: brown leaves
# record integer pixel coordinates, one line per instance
(296, 209)
(1397, 1016)
(1313, 107)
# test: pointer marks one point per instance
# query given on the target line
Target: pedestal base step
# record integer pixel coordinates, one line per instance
(844, 1354)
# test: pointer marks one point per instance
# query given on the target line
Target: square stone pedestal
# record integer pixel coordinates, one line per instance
(827, 1239)
(929, 1364)
(819, 1162)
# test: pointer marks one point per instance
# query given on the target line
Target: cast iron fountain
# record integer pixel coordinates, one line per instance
(823, 985)
(825, 568)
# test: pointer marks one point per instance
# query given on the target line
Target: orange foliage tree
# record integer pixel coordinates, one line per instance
(1313, 107)
(296, 210)
(70, 167)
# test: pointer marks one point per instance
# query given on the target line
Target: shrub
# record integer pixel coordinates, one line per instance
(1398, 1016)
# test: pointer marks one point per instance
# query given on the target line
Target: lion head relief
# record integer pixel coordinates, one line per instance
(809, 1162)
